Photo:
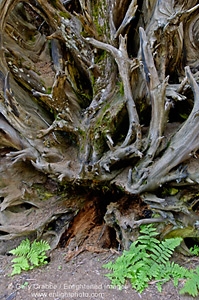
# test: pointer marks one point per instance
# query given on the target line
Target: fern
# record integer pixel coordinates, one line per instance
(29, 255)
(140, 281)
(192, 284)
(147, 237)
(37, 252)
(163, 251)
(156, 265)
(127, 265)
(23, 249)
(194, 250)
(21, 263)
(148, 259)
(167, 271)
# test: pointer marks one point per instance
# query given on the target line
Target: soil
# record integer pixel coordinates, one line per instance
(81, 277)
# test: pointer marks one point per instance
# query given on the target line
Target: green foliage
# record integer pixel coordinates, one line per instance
(194, 250)
(23, 249)
(148, 260)
(192, 284)
(29, 255)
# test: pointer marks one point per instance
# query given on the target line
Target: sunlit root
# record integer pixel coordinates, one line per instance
(23, 155)
(62, 169)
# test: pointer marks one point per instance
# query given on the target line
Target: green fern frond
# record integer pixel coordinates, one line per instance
(148, 259)
(21, 263)
(40, 246)
(37, 252)
(153, 270)
(128, 258)
(140, 282)
(33, 254)
(22, 249)
(16, 270)
(148, 230)
(194, 250)
(117, 278)
(177, 270)
(127, 265)
(42, 259)
(147, 238)
(33, 257)
(192, 284)
(149, 242)
(162, 252)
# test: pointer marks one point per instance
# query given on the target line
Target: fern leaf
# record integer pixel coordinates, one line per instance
(172, 243)
(154, 270)
(149, 242)
(16, 270)
(140, 282)
(190, 287)
(194, 250)
(22, 249)
(108, 266)
(160, 283)
(148, 259)
(21, 263)
(162, 252)
(169, 270)
(149, 230)
(40, 246)
(42, 259)
(192, 284)
(118, 277)
(33, 257)
(44, 245)
(178, 272)
(128, 265)
(147, 239)
(37, 252)
(34, 253)
(128, 258)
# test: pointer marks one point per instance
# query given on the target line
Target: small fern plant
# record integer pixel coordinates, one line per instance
(194, 250)
(149, 260)
(29, 255)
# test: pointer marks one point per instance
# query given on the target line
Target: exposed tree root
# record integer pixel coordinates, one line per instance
(96, 95)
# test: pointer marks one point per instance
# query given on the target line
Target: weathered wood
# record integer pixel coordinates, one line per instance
(97, 94)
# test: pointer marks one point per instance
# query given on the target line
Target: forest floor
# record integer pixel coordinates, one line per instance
(82, 277)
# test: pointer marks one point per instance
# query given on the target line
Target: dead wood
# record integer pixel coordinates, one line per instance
(98, 95)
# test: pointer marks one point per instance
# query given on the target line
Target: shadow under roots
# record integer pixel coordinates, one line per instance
(88, 227)
(102, 219)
